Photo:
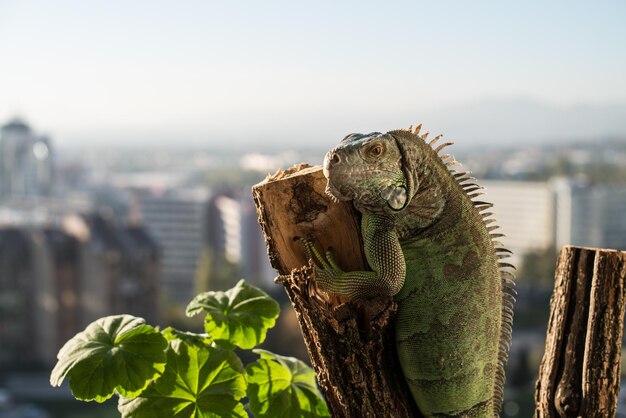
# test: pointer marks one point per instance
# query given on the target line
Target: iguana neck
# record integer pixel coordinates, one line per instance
(433, 191)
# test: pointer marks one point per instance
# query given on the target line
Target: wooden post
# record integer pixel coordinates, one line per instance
(580, 371)
(350, 344)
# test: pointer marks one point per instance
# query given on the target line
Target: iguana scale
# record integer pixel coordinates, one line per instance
(430, 244)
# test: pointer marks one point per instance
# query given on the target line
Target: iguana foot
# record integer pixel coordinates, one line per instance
(327, 271)
(309, 252)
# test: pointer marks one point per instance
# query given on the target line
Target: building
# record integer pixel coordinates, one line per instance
(25, 161)
(255, 265)
(525, 213)
(123, 264)
(38, 211)
(56, 279)
(225, 218)
(17, 314)
(590, 215)
(538, 215)
(176, 219)
(235, 242)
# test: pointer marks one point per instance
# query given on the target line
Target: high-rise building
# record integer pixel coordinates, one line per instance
(25, 161)
(539, 215)
(17, 315)
(590, 215)
(54, 280)
(525, 213)
(235, 239)
(176, 219)
(255, 265)
(225, 227)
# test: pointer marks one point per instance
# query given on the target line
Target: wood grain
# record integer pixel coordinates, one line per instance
(579, 374)
(292, 204)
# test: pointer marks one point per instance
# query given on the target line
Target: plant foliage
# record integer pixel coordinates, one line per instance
(113, 354)
(172, 373)
(240, 316)
(281, 386)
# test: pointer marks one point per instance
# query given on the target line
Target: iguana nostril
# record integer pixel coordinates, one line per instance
(332, 158)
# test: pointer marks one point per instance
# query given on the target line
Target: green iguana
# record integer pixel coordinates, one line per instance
(430, 245)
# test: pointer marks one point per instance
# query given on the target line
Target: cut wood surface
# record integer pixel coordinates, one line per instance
(350, 344)
(292, 204)
(580, 371)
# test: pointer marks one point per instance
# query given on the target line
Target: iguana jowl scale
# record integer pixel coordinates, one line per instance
(430, 245)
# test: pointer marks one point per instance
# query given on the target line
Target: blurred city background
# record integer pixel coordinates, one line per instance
(131, 134)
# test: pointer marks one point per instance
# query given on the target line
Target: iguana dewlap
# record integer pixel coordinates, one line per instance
(430, 245)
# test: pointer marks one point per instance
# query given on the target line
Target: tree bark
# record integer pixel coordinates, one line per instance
(579, 375)
(350, 343)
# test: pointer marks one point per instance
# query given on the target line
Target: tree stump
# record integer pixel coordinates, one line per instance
(350, 344)
(579, 375)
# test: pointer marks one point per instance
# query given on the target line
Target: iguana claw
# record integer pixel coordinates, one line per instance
(282, 278)
(326, 269)
(312, 255)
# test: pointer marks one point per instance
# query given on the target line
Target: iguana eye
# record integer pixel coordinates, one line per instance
(376, 150)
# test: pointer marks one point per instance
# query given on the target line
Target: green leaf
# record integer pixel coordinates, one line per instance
(113, 354)
(238, 317)
(283, 387)
(199, 382)
(172, 334)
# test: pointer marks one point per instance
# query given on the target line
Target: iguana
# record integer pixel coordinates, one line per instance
(430, 244)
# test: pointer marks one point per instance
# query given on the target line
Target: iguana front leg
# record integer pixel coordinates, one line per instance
(384, 256)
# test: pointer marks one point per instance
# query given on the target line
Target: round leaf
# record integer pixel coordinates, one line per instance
(283, 387)
(113, 354)
(238, 317)
(199, 382)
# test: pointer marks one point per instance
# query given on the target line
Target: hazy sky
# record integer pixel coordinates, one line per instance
(287, 72)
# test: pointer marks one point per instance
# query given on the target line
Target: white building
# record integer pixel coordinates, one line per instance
(235, 236)
(177, 221)
(525, 213)
(537, 215)
(226, 232)
(592, 216)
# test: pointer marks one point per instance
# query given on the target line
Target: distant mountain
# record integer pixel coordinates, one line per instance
(508, 121)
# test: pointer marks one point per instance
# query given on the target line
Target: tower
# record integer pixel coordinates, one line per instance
(25, 161)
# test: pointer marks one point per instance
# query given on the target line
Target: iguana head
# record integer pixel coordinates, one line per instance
(369, 169)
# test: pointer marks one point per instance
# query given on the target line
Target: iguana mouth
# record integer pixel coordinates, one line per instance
(334, 193)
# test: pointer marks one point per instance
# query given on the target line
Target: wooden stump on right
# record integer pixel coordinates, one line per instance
(580, 371)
